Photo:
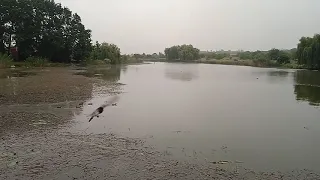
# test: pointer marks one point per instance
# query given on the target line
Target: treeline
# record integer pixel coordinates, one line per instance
(280, 56)
(189, 53)
(148, 56)
(214, 55)
(308, 52)
(183, 53)
(35, 29)
(41, 30)
(107, 52)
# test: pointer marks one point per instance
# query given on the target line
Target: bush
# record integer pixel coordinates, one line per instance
(89, 61)
(295, 66)
(5, 60)
(283, 58)
(36, 62)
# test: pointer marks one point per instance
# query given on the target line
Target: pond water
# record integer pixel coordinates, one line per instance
(268, 119)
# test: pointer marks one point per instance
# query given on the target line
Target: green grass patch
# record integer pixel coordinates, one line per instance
(254, 63)
(36, 62)
(90, 62)
(239, 62)
(5, 61)
(295, 66)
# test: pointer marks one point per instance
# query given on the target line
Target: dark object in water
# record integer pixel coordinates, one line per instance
(100, 109)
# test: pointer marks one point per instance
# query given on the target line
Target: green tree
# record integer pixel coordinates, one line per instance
(172, 53)
(245, 55)
(161, 55)
(274, 54)
(106, 51)
(183, 52)
(43, 28)
(308, 51)
(283, 58)
(137, 56)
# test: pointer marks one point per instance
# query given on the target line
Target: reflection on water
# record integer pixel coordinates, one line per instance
(182, 72)
(308, 93)
(108, 73)
(306, 83)
(307, 77)
(278, 73)
(124, 69)
(307, 86)
(274, 75)
(222, 113)
(108, 76)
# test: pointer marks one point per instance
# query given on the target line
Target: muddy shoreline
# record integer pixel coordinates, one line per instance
(63, 155)
(35, 142)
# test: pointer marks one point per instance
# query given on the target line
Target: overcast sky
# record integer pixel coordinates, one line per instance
(149, 26)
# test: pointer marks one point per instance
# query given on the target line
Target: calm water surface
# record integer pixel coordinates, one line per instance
(267, 118)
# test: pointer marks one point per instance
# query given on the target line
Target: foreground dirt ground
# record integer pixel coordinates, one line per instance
(62, 155)
(35, 142)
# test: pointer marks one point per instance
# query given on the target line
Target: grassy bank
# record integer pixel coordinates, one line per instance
(31, 62)
(28, 65)
(5, 61)
(239, 62)
(253, 63)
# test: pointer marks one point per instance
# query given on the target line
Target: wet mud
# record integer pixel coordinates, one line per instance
(35, 143)
(63, 155)
(47, 86)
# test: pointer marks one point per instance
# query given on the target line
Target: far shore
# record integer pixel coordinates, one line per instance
(238, 62)
(235, 62)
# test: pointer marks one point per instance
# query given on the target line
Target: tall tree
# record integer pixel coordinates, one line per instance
(183, 52)
(106, 51)
(308, 51)
(274, 54)
(43, 28)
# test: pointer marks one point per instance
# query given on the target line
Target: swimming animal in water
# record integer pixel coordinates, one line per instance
(100, 109)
